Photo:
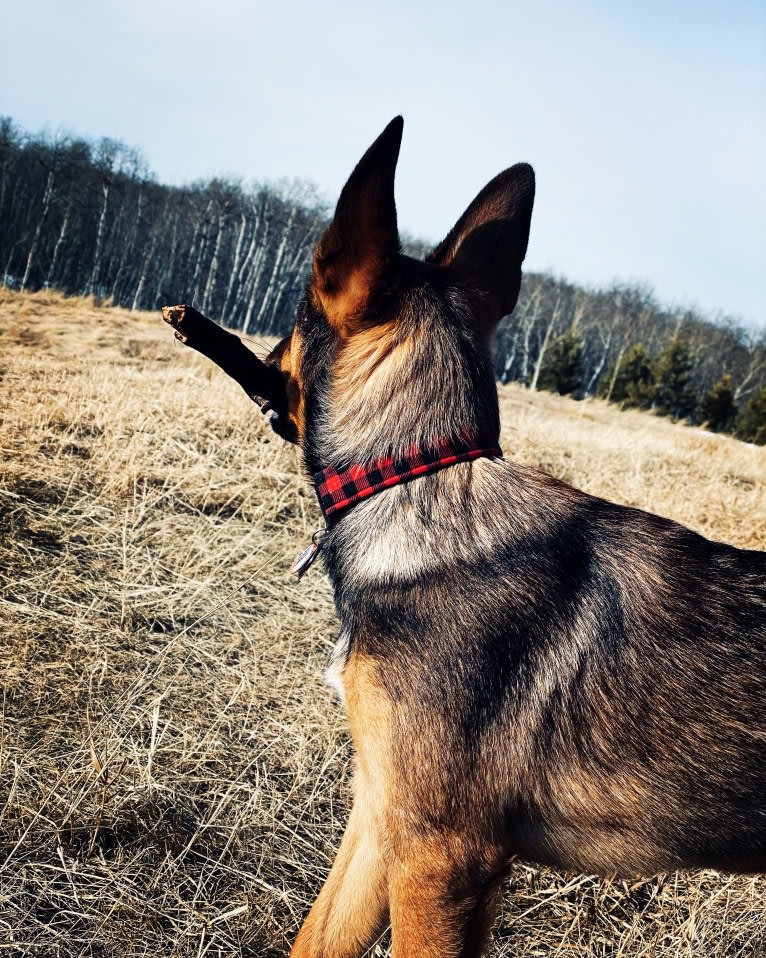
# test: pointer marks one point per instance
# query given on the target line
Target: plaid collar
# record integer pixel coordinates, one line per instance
(339, 489)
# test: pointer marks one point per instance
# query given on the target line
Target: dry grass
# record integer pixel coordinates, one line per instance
(173, 772)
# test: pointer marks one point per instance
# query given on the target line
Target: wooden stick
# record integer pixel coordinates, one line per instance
(262, 383)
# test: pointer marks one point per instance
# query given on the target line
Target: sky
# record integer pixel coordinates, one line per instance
(645, 122)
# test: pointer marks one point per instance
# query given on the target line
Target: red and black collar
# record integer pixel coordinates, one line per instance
(339, 489)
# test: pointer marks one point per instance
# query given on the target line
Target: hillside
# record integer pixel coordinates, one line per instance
(173, 771)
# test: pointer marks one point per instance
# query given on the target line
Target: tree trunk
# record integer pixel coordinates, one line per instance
(91, 285)
(213, 268)
(50, 278)
(47, 197)
(544, 346)
(234, 269)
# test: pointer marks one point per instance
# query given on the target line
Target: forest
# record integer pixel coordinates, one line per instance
(89, 218)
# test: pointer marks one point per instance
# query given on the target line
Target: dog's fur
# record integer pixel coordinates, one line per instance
(528, 670)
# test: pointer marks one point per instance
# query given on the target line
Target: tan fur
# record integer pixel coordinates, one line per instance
(366, 366)
(342, 305)
(352, 907)
(288, 356)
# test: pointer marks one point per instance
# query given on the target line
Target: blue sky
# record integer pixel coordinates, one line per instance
(646, 123)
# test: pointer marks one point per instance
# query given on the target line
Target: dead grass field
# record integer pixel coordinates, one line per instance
(173, 771)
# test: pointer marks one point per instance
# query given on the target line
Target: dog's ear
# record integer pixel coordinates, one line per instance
(489, 241)
(363, 239)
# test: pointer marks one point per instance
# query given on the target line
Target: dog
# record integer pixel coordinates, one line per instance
(528, 671)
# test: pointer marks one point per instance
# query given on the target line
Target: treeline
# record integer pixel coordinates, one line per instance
(89, 218)
(621, 345)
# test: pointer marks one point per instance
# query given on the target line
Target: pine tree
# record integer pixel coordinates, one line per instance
(751, 425)
(562, 369)
(629, 380)
(672, 394)
(718, 410)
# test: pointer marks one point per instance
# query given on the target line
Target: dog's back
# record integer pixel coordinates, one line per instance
(586, 681)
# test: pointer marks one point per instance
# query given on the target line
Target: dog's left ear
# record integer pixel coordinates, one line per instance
(489, 241)
(363, 240)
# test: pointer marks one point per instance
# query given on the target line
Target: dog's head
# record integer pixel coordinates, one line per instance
(388, 350)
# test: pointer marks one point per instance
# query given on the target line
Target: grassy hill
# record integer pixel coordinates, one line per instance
(173, 771)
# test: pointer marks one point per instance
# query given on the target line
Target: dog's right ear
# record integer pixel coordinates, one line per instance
(489, 241)
(362, 240)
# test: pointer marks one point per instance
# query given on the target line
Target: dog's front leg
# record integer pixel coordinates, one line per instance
(443, 905)
(352, 907)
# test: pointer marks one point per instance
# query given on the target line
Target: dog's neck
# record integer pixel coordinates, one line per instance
(340, 489)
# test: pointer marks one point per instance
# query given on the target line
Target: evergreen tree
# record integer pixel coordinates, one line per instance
(672, 393)
(718, 410)
(629, 380)
(562, 369)
(751, 425)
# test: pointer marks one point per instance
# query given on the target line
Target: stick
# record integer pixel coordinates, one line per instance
(262, 383)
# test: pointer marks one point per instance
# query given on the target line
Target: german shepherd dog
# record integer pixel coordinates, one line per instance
(528, 670)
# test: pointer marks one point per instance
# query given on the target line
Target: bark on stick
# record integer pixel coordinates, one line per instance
(262, 383)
